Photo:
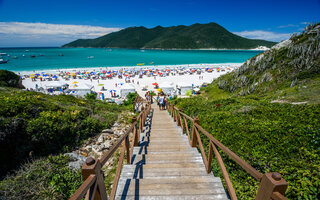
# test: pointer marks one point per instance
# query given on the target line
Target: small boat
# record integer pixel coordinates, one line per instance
(140, 64)
(3, 61)
(40, 54)
(23, 55)
(32, 56)
(90, 57)
(61, 54)
(3, 54)
(27, 50)
(14, 57)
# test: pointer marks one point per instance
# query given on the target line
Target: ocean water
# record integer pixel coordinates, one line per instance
(101, 57)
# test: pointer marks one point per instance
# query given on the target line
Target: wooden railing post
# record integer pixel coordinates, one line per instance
(146, 114)
(194, 137)
(210, 157)
(135, 132)
(127, 143)
(271, 183)
(179, 118)
(91, 166)
(141, 119)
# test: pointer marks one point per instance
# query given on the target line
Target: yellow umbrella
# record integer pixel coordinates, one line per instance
(75, 82)
(159, 90)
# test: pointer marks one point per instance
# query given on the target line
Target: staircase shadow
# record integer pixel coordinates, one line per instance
(138, 171)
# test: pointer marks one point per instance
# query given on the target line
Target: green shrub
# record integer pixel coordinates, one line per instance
(9, 79)
(36, 124)
(48, 178)
(269, 136)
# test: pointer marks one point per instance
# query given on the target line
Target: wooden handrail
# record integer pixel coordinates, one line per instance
(82, 190)
(224, 171)
(106, 157)
(93, 186)
(186, 116)
(252, 171)
(272, 185)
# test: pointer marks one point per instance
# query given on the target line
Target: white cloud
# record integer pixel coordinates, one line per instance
(47, 34)
(288, 25)
(264, 35)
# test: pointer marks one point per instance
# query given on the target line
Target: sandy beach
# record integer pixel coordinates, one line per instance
(104, 86)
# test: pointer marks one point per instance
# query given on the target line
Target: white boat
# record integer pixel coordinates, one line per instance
(3, 61)
(90, 57)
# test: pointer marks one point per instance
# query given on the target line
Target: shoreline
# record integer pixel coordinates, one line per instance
(210, 49)
(73, 69)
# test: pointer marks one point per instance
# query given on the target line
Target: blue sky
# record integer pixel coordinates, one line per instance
(53, 23)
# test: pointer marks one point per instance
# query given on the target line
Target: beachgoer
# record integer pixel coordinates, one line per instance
(164, 104)
(161, 102)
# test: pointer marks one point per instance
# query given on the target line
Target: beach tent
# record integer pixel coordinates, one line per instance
(81, 89)
(167, 88)
(125, 89)
(184, 87)
(56, 85)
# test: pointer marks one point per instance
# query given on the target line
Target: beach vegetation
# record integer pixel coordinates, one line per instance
(9, 79)
(43, 178)
(34, 124)
(268, 113)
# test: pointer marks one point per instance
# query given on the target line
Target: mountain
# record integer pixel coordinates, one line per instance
(195, 36)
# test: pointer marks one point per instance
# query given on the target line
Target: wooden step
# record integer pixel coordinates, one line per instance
(174, 197)
(143, 159)
(144, 150)
(165, 186)
(133, 171)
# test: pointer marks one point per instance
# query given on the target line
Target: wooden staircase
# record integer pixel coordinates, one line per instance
(165, 166)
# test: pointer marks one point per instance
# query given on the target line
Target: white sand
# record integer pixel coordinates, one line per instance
(109, 84)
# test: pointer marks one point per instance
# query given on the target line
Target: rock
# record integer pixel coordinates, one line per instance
(100, 139)
(101, 147)
(95, 147)
(76, 160)
(85, 154)
(116, 124)
(107, 145)
(110, 131)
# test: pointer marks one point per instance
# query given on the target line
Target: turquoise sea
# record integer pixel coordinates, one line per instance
(61, 58)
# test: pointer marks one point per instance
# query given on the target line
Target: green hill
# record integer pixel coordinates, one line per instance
(268, 112)
(196, 36)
